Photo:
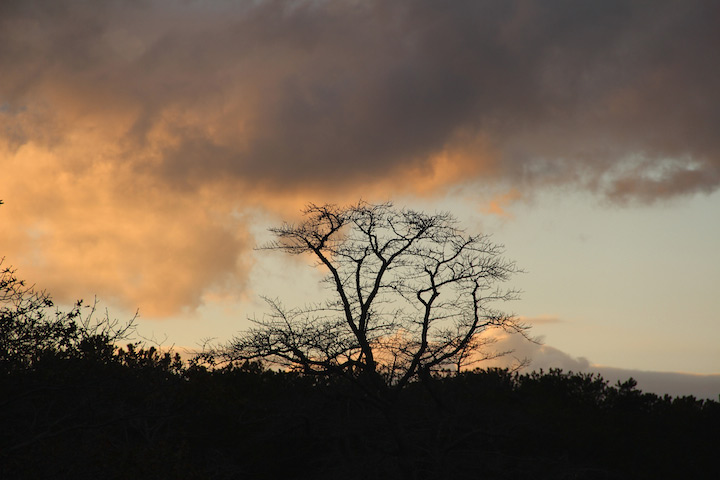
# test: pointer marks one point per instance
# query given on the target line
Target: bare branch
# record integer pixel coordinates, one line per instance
(413, 293)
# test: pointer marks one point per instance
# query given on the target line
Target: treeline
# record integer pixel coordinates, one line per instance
(138, 414)
(74, 405)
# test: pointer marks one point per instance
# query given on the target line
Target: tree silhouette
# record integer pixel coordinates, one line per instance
(33, 329)
(412, 294)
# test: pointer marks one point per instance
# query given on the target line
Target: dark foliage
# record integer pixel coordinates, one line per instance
(34, 333)
(139, 414)
(73, 405)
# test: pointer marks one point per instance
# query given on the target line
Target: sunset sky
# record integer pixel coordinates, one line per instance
(146, 146)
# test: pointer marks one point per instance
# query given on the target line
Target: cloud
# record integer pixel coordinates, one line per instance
(296, 96)
(660, 383)
(103, 230)
(537, 355)
(146, 124)
(500, 202)
(545, 357)
(541, 320)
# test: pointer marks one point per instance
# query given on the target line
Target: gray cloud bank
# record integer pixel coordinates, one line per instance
(672, 383)
(620, 97)
(660, 383)
(546, 357)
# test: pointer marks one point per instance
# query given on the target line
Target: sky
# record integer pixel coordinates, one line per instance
(146, 146)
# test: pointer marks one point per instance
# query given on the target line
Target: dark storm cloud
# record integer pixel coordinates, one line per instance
(616, 96)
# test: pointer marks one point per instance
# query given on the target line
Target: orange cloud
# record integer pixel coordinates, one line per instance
(104, 231)
(500, 202)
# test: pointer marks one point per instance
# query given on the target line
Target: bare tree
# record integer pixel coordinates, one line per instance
(412, 293)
